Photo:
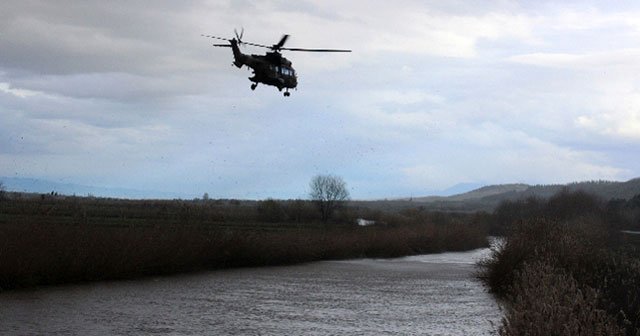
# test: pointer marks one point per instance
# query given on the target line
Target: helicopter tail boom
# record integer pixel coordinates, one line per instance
(238, 56)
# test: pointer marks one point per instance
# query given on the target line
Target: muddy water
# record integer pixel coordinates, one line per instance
(419, 295)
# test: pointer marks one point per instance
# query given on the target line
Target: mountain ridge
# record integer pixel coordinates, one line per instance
(489, 197)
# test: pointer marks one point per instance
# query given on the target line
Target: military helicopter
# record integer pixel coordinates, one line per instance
(271, 68)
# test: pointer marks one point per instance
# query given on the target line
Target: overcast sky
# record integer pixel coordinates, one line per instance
(435, 93)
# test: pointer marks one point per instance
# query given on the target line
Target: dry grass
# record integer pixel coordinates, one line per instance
(82, 240)
(548, 301)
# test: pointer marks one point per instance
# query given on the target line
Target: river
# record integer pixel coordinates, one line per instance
(419, 295)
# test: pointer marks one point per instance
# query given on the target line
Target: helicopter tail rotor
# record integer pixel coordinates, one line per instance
(239, 36)
(237, 39)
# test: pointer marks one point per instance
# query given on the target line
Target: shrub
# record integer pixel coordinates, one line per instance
(510, 212)
(567, 204)
(569, 244)
(549, 301)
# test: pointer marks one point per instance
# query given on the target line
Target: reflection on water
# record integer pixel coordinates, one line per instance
(419, 295)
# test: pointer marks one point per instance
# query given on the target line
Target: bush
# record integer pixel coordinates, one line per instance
(567, 204)
(510, 212)
(550, 301)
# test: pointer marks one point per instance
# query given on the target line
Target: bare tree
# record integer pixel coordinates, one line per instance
(328, 192)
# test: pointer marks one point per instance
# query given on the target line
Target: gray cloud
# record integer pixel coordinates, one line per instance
(71, 37)
(128, 94)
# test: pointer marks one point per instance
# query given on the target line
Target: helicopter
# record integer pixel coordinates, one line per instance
(271, 68)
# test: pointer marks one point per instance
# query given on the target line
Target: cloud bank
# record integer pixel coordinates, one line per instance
(123, 94)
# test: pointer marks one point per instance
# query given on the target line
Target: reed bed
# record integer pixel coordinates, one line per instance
(48, 242)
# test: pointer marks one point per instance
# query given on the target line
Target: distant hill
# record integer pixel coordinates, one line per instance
(606, 190)
(30, 185)
(489, 197)
(477, 193)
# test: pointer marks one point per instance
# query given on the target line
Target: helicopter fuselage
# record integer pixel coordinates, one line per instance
(270, 69)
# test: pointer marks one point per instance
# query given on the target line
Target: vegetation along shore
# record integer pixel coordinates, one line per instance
(49, 239)
(568, 265)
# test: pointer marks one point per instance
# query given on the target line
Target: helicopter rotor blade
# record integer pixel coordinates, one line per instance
(239, 41)
(283, 40)
(215, 37)
(256, 45)
(276, 47)
(222, 45)
(316, 50)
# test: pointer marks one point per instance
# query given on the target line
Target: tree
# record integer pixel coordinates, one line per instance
(328, 192)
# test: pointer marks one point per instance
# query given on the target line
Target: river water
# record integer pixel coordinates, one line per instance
(419, 295)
